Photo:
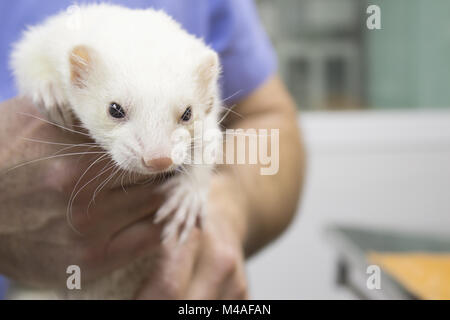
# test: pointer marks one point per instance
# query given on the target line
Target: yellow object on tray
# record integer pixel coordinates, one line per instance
(426, 275)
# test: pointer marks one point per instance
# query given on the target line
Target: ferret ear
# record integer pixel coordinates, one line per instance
(209, 70)
(81, 60)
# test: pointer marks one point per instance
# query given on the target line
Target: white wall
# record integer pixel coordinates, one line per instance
(375, 169)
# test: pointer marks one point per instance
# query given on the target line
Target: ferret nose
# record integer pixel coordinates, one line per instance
(158, 164)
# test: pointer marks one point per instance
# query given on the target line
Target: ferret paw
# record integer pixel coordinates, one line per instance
(51, 101)
(184, 206)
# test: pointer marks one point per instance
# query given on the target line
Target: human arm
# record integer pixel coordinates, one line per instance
(270, 201)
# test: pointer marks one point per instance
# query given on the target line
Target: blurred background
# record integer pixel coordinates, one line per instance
(332, 61)
(375, 113)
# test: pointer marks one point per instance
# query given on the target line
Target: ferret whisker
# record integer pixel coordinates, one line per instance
(196, 165)
(104, 183)
(72, 196)
(152, 179)
(159, 178)
(232, 95)
(71, 147)
(186, 172)
(52, 157)
(61, 144)
(100, 158)
(53, 123)
(72, 200)
(121, 179)
(224, 116)
(123, 168)
(179, 171)
(232, 111)
(129, 177)
(147, 181)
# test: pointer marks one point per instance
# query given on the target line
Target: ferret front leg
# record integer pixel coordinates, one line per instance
(187, 196)
(50, 99)
(38, 77)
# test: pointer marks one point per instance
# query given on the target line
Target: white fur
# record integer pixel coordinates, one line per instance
(145, 61)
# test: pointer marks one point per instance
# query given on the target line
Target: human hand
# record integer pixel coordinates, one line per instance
(37, 243)
(210, 264)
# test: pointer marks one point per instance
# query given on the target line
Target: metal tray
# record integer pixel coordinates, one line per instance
(353, 245)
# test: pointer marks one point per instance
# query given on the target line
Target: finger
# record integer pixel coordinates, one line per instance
(220, 274)
(235, 287)
(101, 256)
(133, 240)
(206, 284)
(114, 210)
(121, 209)
(171, 277)
(210, 275)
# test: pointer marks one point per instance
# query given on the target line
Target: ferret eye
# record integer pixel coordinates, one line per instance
(116, 111)
(187, 115)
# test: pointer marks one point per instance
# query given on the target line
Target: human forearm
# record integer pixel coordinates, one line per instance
(270, 200)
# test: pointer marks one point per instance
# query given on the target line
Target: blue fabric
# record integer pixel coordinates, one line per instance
(231, 27)
(3, 287)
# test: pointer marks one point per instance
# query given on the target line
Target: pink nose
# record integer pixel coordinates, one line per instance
(158, 164)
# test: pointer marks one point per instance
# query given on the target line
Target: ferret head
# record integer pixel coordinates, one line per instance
(134, 105)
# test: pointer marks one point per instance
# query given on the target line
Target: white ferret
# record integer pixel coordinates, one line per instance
(132, 77)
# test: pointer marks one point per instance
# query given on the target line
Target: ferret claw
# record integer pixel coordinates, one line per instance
(181, 210)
